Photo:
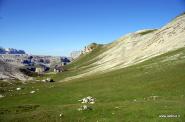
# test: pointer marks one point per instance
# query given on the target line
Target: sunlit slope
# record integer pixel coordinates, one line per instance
(135, 47)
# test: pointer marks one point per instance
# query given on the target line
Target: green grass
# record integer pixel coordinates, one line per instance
(87, 59)
(121, 96)
(78, 66)
(146, 32)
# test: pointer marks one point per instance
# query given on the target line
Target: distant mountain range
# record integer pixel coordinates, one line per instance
(11, 51)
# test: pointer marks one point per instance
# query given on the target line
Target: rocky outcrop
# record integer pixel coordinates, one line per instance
(11, 72)
(87, 49)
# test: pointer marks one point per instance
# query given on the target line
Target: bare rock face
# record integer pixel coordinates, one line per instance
(9, 72)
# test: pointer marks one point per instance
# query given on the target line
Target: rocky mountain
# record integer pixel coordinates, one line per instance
(87, 49)
(137, 47)
(9, 71)
(11, 51)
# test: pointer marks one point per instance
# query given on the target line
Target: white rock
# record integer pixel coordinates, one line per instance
(89, 97)
(48, 79)
(1, 96)
(116, 107)
(32, 92)
(84, 100)
(43, 80)
(85, 107)
(18, 89)
(92, 102)
(61, 115)
(80, 100)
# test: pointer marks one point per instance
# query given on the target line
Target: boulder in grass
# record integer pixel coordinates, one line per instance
(84, 107)
(51, 80)
(18, 89)
(32, 92)
(88, 99)
(61, 114)
(43, 80)
(48, 80)
(1, 96)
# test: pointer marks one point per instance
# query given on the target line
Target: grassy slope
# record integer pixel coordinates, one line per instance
(86, 60)
(122, 95)
(79, 65)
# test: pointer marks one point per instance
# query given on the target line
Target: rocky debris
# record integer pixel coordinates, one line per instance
(32, 92)
(88, 99)
(11, 72)
(61, 114)
(153, 97)
(1, 96)
(117, 107)
(18, 89)
(58, 68)
(48, 80)
(43, 80)
(89, 48)
(84, 107)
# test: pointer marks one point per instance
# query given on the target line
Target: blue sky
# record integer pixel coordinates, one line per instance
(57, 27)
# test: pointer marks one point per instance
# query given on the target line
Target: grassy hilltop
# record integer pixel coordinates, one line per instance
(139, 93)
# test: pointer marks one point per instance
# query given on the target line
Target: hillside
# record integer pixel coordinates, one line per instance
(138, 93)
(137, 47)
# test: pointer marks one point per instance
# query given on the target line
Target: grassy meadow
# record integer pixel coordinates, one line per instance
(139, 93)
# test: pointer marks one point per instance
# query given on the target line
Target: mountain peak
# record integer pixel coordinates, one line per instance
(11, 51)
